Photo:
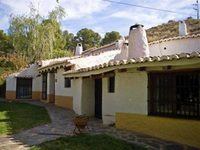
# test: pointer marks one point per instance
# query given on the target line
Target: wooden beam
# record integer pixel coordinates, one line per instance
(141, 68)
(122, 70)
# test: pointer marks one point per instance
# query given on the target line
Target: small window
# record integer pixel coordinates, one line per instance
(111, 84)
(67, 83)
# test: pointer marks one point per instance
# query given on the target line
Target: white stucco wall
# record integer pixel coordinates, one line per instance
(37, 84)
(60, 84)
(130, 95)
(11, 84)
(75, 90)
(175, 47)
(51, 83)
(88, 100)
(77, 95)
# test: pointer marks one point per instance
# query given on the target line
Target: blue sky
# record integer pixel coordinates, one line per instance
(99, 15)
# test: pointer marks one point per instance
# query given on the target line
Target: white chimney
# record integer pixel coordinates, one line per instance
(119, 43)
(124, 50)
(79, 49)
(182, 28)
(138, 44)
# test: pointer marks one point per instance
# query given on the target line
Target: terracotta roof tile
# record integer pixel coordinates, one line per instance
(138, 60)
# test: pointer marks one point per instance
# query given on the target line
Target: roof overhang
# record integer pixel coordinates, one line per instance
(55, 66)
(192, 60)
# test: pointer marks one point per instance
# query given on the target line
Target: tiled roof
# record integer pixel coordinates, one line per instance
(82, 61)
(54, 63)
(92, 60)
(29, 72)
(61, 62)
(175, 38)
(136, 61)
(89, 51)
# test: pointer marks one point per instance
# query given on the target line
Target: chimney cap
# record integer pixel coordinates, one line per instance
(136, 26)
(79, 44)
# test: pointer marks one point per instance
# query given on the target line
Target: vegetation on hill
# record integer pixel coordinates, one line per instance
(170, 29)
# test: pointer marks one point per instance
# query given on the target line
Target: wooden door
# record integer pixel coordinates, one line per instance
(98, 98)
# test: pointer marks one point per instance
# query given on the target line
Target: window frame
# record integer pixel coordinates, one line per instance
(111, 84)
(165, 89)
(67, 83)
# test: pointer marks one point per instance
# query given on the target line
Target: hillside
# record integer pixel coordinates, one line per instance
(170, 29)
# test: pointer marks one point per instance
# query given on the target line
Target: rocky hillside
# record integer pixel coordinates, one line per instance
(170, 29)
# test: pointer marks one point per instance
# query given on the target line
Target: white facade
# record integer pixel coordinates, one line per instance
(88, 99)
(128, 96)
(59, 84)
(29, 72)
(178, 46)
(77, 95)
(11, 84)
(50, 83)
(37, 84)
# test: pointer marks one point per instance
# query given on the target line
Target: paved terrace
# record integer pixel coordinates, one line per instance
(62, 125)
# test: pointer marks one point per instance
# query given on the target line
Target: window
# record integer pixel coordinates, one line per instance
(175, 94)
(44, 86)
(67, 83)
(24, 88)
(111, 84)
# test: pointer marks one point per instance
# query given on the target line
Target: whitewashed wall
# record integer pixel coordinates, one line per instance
(60, 89)
(51, 83)
(75, 91)
(37, 84)
(77, 95)
(88, 100)
(11, 84)
(175, 47)
(130, 95)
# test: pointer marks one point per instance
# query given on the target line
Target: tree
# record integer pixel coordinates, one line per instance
(110, 37)
(88, 38)
(36, 37)
(5, 43)
(69, 39)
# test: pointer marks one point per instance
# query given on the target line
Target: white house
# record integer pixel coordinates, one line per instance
(131, 76)
(125, 82)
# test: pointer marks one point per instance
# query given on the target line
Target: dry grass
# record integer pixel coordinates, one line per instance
(170, 29)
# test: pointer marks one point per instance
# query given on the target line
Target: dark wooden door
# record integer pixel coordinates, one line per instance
(44, 86)
(98, 98)
(24, 88)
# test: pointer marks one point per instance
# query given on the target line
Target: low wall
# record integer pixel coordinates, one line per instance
(36, 95)
(64, 101)
(50, 98)
(178, 130)
(10, 95)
